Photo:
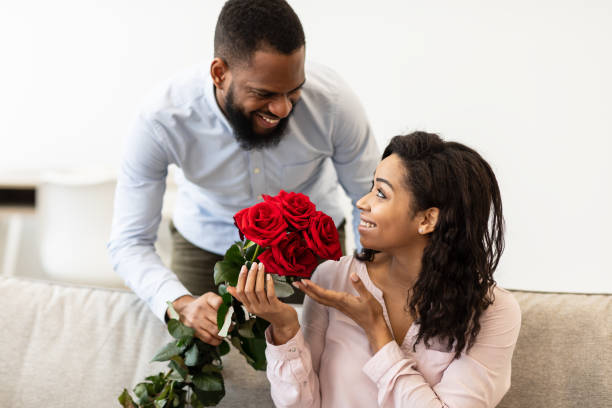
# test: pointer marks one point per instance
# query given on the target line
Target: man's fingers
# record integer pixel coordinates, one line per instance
(213, 300)
(208, 338)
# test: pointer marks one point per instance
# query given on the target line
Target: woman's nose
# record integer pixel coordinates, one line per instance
(362, 203)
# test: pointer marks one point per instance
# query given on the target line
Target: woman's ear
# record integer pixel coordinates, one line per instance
(429, 220)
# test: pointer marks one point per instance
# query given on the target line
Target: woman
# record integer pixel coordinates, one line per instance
(415, 319)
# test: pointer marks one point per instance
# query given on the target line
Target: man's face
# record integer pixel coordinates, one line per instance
(260, 96)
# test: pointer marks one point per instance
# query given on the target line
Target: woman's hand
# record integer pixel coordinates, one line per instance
(255, 290)
(363, 309)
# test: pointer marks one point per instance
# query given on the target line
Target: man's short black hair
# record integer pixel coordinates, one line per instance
(245, 26)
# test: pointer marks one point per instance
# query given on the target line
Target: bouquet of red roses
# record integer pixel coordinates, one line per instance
(290, 237)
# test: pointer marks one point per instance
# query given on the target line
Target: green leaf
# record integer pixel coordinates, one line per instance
(173, 312)
(221, 314)
(246, 329)
(260, 327)
(192, 356)
(237, 343)
(226, 272)
(184, 342)
(195, 402)
(250, 252)
(179, 330)
(164, 393)
(178, 364)
(160, 403)
(227, 299)
(211, 368)
(222, 289)
(208, 381)
(281, 288)
(126, 400)
(214, 383)
(141, 392)
(254, 349)
(167, 352)
(158, 382)
(224, 348)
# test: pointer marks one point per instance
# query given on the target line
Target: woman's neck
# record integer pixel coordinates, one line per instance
(399, 269)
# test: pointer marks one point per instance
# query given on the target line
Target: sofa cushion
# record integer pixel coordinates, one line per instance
(563, 357)
(69, 346)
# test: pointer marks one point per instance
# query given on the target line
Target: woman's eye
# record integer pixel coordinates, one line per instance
(380, 194)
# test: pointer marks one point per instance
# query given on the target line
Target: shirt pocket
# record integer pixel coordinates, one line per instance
(299, 177)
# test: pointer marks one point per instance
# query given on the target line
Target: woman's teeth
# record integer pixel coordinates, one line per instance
(367, 224)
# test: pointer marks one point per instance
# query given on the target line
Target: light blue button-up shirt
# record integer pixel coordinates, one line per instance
(328, 145)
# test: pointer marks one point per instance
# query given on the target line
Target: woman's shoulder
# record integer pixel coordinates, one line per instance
(504, 311)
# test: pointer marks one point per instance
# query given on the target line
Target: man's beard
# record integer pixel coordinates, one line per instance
(243, 127)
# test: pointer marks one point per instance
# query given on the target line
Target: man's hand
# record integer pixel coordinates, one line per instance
(200, 313)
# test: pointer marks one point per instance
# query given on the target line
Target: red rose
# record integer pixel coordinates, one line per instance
(262, 223)
(297, 208)
(322, 237)
(291, 257)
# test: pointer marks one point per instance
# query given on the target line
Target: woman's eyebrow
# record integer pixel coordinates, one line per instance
(382, 180)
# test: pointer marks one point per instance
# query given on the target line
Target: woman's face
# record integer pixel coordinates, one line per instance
(387, 217)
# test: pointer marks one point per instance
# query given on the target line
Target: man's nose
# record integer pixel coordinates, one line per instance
(280, 106)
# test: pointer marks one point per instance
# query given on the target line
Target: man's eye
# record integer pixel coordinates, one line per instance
(261, 95)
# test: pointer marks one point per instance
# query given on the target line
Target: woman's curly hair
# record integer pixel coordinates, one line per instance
(456, 283)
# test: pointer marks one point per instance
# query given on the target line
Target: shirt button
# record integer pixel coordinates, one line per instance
(256, 170)
(292, 350)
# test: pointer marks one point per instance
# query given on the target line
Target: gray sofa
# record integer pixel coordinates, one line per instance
(70, 346)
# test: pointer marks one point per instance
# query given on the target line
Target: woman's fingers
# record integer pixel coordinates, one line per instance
(238, 291)
(270, 289)
(260, 285)
(360, 287)
(324, 296)
(249, 286)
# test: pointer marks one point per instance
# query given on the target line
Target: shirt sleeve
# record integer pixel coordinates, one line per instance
(477, 379)
(138, 202)
(293, 367)
(356, 153)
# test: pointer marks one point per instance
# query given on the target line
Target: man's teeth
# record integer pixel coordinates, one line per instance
(272, 121)
(367, 224)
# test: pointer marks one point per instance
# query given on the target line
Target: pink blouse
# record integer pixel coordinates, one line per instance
(329, 363)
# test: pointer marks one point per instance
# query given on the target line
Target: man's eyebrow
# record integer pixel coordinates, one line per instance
(261, 90)
(382, 180)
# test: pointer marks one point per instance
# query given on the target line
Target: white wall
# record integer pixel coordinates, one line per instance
(526, 83)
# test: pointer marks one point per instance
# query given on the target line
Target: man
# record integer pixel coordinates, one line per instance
(255, 122)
